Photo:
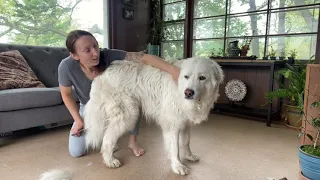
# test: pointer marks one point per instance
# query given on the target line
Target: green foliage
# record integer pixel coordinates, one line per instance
(36, 22)
(159, 31)
(293, 53)
(272, 53)
(296, 75)
(315, 123)
(311, 150)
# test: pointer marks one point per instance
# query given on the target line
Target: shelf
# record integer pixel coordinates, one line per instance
(242, 111)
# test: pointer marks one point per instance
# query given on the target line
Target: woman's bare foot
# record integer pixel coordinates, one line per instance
(133, 145)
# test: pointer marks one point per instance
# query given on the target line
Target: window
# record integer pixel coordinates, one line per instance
(174, 16)
(47, 23)
(284, 25)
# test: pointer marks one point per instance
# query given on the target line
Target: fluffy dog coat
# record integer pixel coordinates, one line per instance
(127, 89)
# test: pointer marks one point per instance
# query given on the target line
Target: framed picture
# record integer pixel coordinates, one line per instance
(128, 2)
(128, 13)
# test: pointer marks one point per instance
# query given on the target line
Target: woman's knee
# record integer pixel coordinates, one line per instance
(76, 152)
(77, 146)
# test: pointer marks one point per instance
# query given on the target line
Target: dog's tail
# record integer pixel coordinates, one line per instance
(94, 120)
(56, 174)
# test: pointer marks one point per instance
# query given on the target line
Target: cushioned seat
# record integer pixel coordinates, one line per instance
(26, 98)
(74, 94)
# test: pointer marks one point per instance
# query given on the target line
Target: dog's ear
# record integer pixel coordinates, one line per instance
(217, 72)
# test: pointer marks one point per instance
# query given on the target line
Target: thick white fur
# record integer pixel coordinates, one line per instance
(126, 89)
(56, 174)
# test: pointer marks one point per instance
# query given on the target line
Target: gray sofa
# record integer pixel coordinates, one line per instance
(35, 107)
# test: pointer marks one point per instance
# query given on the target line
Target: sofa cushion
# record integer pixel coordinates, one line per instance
(15, 72)
(74, 93)
(43, 60)
(25, 98)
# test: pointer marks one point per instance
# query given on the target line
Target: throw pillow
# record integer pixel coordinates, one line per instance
(15, 72)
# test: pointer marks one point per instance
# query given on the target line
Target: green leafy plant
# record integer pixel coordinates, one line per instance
(313, 149)
(293, 53)
(283, 52)
(296, 74)
(159, 32)
(272, 53)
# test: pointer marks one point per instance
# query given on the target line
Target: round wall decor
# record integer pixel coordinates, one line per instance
(235, 90)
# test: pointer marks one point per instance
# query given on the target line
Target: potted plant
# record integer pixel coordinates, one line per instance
(245, 47)
(158, 30)
(272, 54)
(282, 54)
(309, 154)
(293, 55)
(292, 109)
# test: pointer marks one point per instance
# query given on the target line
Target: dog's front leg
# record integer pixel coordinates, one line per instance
(185, 140)
(172, 143)
(110, 139)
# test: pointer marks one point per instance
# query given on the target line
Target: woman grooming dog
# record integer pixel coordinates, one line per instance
(87, 61)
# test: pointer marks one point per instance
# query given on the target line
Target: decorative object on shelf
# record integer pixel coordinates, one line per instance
(235, 90)
(128, 2)
(282, 54)
(233, 49)
(245, 46)
(272, 54)
(293, 55)
(128, 13)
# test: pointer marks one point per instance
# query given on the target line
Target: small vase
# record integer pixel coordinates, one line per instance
(233, 49)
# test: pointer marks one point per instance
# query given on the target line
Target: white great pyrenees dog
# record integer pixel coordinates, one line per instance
(126, 89)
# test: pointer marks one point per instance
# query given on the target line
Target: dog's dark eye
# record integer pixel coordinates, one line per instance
(187, 77)
(202, 78)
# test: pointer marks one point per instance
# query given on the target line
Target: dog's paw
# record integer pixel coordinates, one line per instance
(180, 169)
(193, 157)
(113, 163)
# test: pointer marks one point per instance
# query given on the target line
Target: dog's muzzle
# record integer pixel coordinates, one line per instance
(189, 93)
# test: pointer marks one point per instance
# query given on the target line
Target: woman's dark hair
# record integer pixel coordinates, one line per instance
(73, 36)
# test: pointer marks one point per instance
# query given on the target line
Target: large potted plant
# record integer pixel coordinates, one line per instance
(309, 154)
(158, 31)
(292, 94)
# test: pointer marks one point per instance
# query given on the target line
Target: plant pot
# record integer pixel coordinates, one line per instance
(309, 165)
(281, 58)
(292, 115)
(290, 60)
(273, 58)
(265, 58)
(154, 49)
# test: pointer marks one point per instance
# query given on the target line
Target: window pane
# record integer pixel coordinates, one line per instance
(256, 45)
(254, 24)
(304, 45)
(205, 8)
(174, 11)
(47, 24)
(237, 6)
(204, 48)
(172, 49)
(288, 3)
(170, 1)
(301, 21)
(208, 28)
(175, 31)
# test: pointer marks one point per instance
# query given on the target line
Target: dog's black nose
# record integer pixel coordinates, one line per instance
(189, 93)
